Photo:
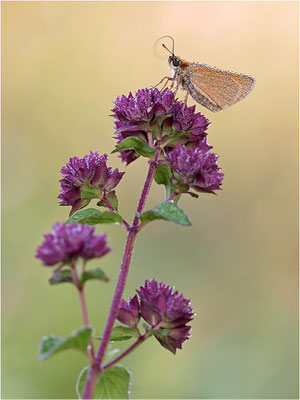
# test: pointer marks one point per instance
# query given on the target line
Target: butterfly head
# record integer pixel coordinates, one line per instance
(174, 61)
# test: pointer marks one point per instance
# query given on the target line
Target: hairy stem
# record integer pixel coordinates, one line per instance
(126, 352)
(83, 306)
(131, 237)
(111, 208)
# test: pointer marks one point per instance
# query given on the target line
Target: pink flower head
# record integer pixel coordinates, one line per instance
(68, 242)
(167, 312)
(158, 112)
(87, 178)
(195, 167)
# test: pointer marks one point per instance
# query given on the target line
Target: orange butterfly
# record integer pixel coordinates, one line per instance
(211, 87)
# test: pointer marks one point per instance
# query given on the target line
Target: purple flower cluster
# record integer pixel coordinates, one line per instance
(166, 311)
(68, 242)
(85, 179)
(195, 167)
(150, 111)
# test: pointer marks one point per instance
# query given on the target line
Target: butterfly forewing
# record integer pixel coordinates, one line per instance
(247, 83)
(217, 89)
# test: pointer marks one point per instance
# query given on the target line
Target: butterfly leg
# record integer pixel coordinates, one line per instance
(167, 80)
(187, 95)
(177, 85)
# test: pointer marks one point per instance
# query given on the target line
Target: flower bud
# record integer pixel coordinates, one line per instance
(129, 313)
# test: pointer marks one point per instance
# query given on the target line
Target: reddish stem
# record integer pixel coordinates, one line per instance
(132, 232)
(126, 352)
(84, 310)
(111, 208)
(173, 196)
(83, 307)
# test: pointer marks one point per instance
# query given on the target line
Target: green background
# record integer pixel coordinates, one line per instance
(63, 64)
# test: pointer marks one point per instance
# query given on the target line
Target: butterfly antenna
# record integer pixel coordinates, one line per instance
(165, 47)
(173, 44)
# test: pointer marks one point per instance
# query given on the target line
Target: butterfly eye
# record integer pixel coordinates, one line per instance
(175, 62)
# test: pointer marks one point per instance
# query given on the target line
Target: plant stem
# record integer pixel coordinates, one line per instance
(84, 311)
(126, 352)
(131, 237)
(83, 307)
(173, 196)
(111, 208)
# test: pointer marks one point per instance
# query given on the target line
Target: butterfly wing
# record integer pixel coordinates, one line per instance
(217, 89)
(247, 83)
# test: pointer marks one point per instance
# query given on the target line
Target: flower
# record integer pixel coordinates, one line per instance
(167, 312)
(87, 178)
(195, 167)
(129, 313)
(185, 119)
(68, 242)
(151, 112)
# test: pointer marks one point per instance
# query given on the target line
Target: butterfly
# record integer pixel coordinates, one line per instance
(213, 88)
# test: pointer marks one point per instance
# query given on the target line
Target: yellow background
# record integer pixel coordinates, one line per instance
(63, 64)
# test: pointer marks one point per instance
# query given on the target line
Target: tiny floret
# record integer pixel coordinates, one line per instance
(129, 313)
(195, 167)
(187, 120)
(87, 178)
(68, 242)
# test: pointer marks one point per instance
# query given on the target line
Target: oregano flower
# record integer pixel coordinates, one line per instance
(159, 114)
(87, 178)
(166, 311)
(66, 243)
(195, 167)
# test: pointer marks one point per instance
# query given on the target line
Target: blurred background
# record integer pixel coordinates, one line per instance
(63, 64)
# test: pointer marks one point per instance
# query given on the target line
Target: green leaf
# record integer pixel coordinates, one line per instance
(111, 197)
(96, 273)
(61, 276)
(78, 340)
(120, 333)
(81, 214)
(167, 211)
(113, 383)
(137, 144)
(163, 175)
(92, 216)
(149, 216)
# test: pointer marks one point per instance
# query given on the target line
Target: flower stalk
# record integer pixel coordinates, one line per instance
(131, 237)
(156, 125)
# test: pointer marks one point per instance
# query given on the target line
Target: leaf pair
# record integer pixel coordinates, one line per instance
(113, 383)
(65, 275)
